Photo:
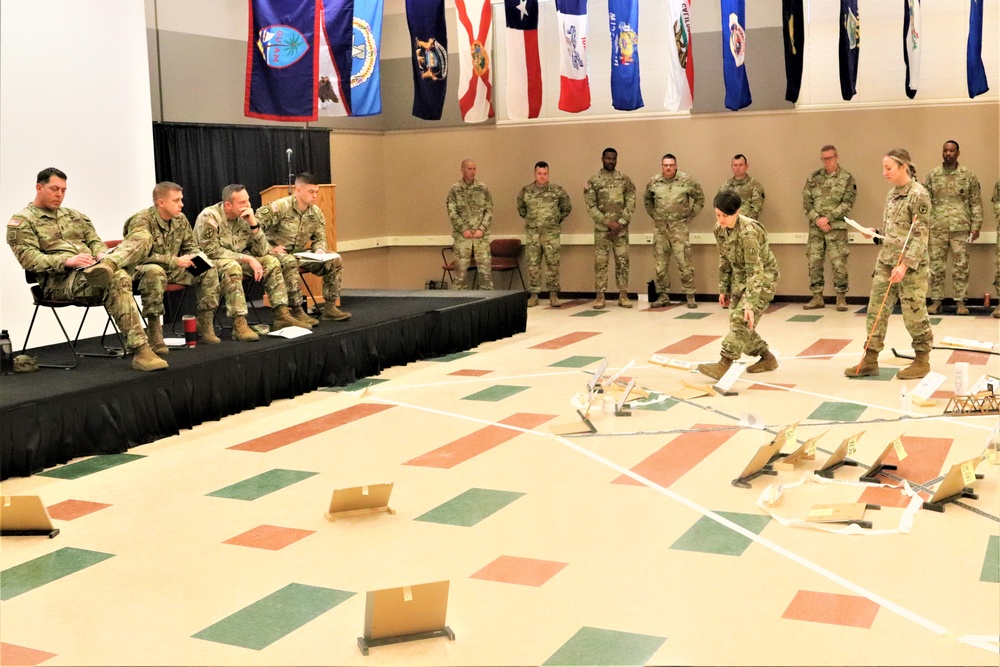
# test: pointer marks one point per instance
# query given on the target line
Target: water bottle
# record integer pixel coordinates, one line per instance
(6, 354)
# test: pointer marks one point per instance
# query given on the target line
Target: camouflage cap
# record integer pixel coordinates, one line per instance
(25, 364)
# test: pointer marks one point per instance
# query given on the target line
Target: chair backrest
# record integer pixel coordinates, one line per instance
(505, 247)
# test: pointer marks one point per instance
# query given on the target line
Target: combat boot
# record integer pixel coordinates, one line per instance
(691, 303)
(154, 333)
(554, 300)
(242, 331)
(661, 301)
(960, 308)
(283, 318)
(716, 370)
(331, 312)
(815, 302)
(920, 367)
(996, 313)
(842, 301)
(599, 301)
(532, 301)
(935, 307)
(302, 316)
(767, 362)
(144, 359)
(623, 301)
(206, 327)
(867, 368)
(100, 274)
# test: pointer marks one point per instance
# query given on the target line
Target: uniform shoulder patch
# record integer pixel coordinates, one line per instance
(923, 209)
(14, 222)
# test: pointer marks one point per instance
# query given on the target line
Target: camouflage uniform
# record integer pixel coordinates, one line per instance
(830, 195)
(470, 208)
(905, 206)
(231, 239)
(751, 192)
(748, 273)
(172, 239)
(671, 204)
(956, 210)
(543, 209)
(297, 232)
(996, 213)
(43, 240)
(610, 197)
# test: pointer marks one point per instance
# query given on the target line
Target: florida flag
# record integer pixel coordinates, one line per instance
(680, 60)
(524, 70)
(574, 86)
(475, 41)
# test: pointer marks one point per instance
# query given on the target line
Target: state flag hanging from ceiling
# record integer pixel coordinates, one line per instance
(366, 76)
(574, 85)
(475, 42)
(734, 50)
(524, 69)
(849, 47)
(793, 32)
(429, 59)
(335, 54)
(975, 72)
(623, 16)
(911, 45)
(680, 59)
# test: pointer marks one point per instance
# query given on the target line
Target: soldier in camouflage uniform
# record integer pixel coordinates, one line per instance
(543, 206)
(749, 189)
(296, 224)
(229, 230)
(748, 275)
(470, 210)
(672, 199)
(956, 220)
(827, 198)
(70, 262)
(170, 256)
(996, 213)
(610, 197)
(900, 270)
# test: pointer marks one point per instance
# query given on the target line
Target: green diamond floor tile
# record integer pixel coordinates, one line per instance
(885, 373)
(692, 316)
(837, 411)
(470, 507)
(495, 393)
(575, 362)
(453, 357)
(804, 318)
(655, 403)
(934, 321)
(709, 536)
(589, 313)
(90, 466)
(991, 562)
(262, 484)
(45, 569)
(358, 385)
(597, 646)
(269, 619)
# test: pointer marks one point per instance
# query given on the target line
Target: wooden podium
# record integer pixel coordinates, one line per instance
(327, 203)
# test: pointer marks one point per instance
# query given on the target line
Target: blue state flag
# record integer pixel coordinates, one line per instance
(335, 71)
(734, 51)
(623, 15)
(429, 49)
(975, 72)
(366, 91)
(282, 80)
(849, 47)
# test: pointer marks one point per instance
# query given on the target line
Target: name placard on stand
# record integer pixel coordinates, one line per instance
(405, 614)
(360, 500)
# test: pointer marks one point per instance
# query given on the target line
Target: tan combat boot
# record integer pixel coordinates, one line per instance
(206, 327)
(154, 333)
(842, 301)
(960, 309)
(331, 312)
(100, 274)
(716, 370)
(283, 318)
(867, 368)
(554, 300)
(767, 362)
(815, 302)
(242, 331)
(935, 307)
(623, 301)
(599, 301)
(532, 301)
(144, 359)
(661, 301)
(302, 316)
(691, 303)
(996, 313)
(920, 367)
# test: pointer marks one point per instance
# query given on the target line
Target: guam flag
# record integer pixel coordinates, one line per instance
(849, 47)
(624, 18)
(366, 78)
(911, 45)
(282, 79)
(734, 51)
(335, 49)
(975, 72)
(574, 86)
(429, 46)
(475, 88)
(524, 70)
(680, 59)
(793, 31)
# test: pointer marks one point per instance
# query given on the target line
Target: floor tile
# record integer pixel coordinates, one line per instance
(924, 461)
(90, 466)
(309, 428)
(358, 385)
(832, 608)
(272, 538)
(477, 442)
(681, 454)
(264, 622)
(453, 357)
(692, 316)
(824, 348)
(470, 372)
(804, 318)
(774, 307)
(597, 646)
(45, 569)
(68, 510)
(837, 411)
(575, 362)
(771, 386)
(11, 654)
(688, 345)
(470, 507)
(655, 404)
(522, 571)
(711, 537)
(495, 393)
(564, 341)
(991, 561)
(260, 485)
(971, 358)
(589, 313)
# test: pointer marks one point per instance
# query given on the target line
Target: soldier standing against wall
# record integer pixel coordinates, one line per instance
(672, 199)
(543, 206)
(610, 197)
(470, 209)
(956, 219)
(749, 189)
(827, 198)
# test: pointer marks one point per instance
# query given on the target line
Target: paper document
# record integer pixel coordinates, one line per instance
(290, 332)
(864, 230)
(318, 256)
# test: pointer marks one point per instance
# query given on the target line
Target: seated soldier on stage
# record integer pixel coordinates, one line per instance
(71, 262)
(229, 230)
(295, 224)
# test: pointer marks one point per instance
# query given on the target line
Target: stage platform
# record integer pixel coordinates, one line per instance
(104, 407)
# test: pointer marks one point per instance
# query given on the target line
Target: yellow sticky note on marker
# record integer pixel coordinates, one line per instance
(898, 446)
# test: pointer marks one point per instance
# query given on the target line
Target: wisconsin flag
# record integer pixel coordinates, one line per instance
(366, 77)
(574, 86)
(793, 31)
(624, 18)
(334, 48)
(524, 70)
(680, 60)
(282, 80)
(911, 45)
(734, 51)
(429, 45)
(975, 72)
(849, 47)
(475, 44)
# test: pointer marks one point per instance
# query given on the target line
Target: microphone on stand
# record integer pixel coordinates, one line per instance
(288, 154)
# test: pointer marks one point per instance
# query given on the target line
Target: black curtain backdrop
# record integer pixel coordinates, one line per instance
(203, 159)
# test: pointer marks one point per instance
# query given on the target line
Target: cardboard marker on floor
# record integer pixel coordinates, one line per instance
(360, 500)
(725, 384)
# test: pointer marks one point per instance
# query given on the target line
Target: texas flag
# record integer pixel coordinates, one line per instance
(524, 71)
(475, 42)
(680, 60)
(574, 86)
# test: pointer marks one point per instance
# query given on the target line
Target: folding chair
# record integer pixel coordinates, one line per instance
(449, 264)
(305, 284)
(504, 255)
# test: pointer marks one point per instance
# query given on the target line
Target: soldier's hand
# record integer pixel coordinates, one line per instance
(248, 216)
(897, 274)
(80, 261)
(258, 270)
(724, 300)
(973, 235)
(184, 262)
(823, 223)
(615, 227)
(478, 234)
(278, 250)
(748, 318)
(467, 233)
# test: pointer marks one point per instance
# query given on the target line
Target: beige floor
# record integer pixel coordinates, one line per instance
(173, 576)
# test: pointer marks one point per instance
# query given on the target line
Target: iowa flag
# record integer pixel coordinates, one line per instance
(574, 86)
(911, 45)
(849, 47)
(524, 69)
(680, 59)
(734, 50)
(282, 81)
(475, 44)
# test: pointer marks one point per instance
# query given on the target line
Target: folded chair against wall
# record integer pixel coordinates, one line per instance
(505, 254)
